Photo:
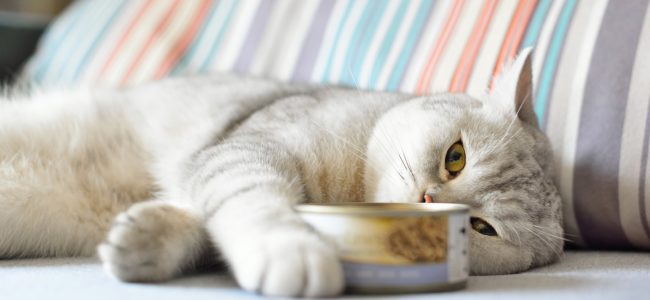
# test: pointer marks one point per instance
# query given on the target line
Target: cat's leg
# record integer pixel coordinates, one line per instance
(247, 187)
(153, 241)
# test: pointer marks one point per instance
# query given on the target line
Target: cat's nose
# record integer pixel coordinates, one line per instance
(427, 198)
(429, 194)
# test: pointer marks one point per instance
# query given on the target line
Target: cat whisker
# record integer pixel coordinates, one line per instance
(513, 135)
(357, 152)
(358, 89)
(551, 236)
(384, 141)
(340, 138)
(400, 153)
(569, 236)
(543, 239)
(504, 140)
(521, 106)
(407, 167)
(387, 151)
(543, 229)
(545, 234)
(354, 79)
(514, 119)
(509, 227)
(407, 164)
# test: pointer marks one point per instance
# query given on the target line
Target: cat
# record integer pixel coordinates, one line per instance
(157, 177)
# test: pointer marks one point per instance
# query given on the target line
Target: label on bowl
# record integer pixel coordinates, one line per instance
(410, 251)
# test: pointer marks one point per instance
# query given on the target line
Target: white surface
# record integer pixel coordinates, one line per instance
(580, 275)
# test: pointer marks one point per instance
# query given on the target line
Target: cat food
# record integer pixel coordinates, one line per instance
(396, 247)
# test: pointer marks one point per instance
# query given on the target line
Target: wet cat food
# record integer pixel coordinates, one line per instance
(396, 247)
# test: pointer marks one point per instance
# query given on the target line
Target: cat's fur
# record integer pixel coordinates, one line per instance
(185, 163)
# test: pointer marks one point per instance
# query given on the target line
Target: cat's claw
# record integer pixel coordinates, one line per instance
(291, 264)
(150, 242)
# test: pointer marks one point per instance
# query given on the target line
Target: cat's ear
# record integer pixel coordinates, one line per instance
(514, 88)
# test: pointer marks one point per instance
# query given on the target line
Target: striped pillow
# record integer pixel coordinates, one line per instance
(591, 63)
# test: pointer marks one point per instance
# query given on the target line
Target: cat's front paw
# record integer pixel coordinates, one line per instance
(152, 241)
(292, 263)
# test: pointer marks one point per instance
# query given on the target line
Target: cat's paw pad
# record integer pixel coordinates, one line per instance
(149, 242)
(291, 263)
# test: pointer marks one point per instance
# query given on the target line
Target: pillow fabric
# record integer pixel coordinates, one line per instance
(591, 66)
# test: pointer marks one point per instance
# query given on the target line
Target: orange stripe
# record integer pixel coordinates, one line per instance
(515, 34)
(184, 41)
(164, 22)
(521, 29)
(507, 42)
(464, 68)
(425, 77)
(120, 43)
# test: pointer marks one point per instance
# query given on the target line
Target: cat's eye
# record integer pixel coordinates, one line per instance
(482, 227)
(455, 158)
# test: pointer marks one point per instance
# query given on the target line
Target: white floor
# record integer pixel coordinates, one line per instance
(580, 275)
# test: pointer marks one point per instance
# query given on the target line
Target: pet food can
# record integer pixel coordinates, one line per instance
(396, 247)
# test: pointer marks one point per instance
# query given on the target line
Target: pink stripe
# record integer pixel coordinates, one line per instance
(183, 42)
(427, 74)
(154, 35)
(124, 37)
(464, 69)
(515, 34)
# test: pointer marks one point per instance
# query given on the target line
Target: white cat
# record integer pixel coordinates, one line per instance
(160, 176)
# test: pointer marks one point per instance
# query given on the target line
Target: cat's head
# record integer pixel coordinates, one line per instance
(485, 152)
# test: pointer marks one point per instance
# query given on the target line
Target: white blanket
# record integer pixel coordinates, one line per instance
(580, 275)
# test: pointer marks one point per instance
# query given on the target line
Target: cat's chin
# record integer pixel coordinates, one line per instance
(490, 255)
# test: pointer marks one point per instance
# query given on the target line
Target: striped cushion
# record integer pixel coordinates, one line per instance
(591, 63)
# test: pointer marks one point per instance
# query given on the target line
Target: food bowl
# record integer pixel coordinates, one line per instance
(396, 247)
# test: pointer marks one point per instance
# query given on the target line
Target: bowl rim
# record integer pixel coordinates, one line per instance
(382, 208)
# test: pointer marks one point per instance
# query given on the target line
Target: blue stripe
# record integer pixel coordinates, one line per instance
(62, 25)
(77, 42)
(420, 19)
(56, 38)
(213, 50)
(330, 58)
(552, 56)
(535, 26)
(364, 33)
(387, 43)
(82, 63)
(198, 38)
